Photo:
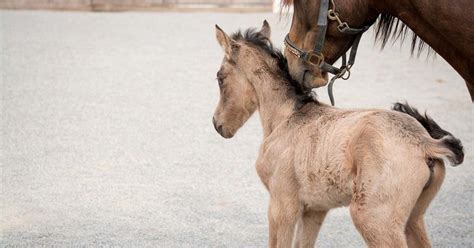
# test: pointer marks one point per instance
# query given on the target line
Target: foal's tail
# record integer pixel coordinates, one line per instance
(445, 145)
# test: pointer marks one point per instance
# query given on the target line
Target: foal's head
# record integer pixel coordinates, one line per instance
(238, 99)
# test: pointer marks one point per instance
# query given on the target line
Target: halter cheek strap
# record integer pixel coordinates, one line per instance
(322, 26)
(315, 57)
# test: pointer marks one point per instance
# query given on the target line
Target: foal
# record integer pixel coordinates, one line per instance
(382, 164)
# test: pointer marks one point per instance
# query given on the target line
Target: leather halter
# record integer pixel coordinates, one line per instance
(315, 57)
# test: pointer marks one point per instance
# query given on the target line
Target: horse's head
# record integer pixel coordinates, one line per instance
(304, 35)
(238, 99)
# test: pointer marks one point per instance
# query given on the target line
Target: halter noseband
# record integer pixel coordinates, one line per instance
(315, 57)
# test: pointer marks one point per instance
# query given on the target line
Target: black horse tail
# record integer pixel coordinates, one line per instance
(447, 140)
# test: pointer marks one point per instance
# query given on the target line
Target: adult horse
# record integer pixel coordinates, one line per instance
(446, 26)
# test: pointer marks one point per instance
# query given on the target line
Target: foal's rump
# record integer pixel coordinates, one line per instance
(401, 137)
(443, 144)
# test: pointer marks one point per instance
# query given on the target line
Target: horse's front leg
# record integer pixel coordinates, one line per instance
(308, 228)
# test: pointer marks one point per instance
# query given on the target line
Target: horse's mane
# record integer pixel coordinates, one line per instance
(255, 38)
(389, 27)
(286, 3)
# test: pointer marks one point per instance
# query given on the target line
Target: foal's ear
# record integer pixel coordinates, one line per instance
(265, 30)
(224, 40)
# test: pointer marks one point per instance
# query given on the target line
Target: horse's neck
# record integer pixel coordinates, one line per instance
(275, 104)
(444, 25)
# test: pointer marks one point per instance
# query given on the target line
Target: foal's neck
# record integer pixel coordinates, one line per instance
(275, 103)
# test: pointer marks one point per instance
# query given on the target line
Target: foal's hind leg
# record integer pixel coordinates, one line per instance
(308, 228)
(384, 196)
(415, 228)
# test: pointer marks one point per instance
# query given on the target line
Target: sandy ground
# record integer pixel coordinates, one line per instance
(107, 137)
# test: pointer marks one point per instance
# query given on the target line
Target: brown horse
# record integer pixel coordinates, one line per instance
(385, 165)
(446, 26)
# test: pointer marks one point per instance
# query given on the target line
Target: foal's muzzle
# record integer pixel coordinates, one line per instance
(220, 130)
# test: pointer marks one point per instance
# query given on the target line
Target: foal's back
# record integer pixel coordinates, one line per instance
(332, 128)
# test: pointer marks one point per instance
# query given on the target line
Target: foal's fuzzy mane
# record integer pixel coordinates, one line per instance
(389, 27)
(257, 39)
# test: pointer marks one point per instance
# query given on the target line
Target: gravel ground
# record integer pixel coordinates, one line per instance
(107, 137)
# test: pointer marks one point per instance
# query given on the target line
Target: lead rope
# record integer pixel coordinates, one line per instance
(344, 71)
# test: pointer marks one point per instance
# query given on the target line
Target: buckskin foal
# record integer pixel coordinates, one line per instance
(382, 164)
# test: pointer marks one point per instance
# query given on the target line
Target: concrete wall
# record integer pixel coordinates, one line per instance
(45, 4)
(108, 5)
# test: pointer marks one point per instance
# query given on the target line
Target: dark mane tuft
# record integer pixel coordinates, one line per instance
(257, 39)
(389, 26)
(286, 3)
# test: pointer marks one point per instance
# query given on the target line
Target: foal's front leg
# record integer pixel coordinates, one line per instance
(282, 217)
(308, 228)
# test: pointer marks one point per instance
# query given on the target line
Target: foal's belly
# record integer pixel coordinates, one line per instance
(325, 189)
(324, 200)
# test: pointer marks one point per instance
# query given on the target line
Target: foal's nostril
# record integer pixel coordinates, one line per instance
(219, 129)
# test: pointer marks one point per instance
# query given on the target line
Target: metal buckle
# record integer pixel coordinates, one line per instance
(342, 26)
(332, 15)
(314, 58)
(345, 72)
(345, 76)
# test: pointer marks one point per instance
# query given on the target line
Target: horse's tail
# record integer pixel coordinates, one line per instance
(444, 145)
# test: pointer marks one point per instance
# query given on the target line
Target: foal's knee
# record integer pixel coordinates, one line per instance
(282, 213)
